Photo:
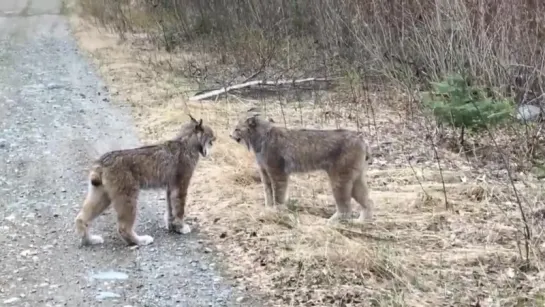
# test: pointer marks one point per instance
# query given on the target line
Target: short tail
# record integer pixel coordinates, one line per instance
(95, 176)
(366, 149)
(368, 156)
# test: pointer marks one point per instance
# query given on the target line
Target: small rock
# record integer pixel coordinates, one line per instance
(110, 275)
(11, 300)
(106, 294)
(510, 272)
(52, 86)
(207, 250)
(528, 113)
(28, 252)
(240, 299)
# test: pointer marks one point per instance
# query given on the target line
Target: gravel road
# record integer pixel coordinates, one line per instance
(55, 116)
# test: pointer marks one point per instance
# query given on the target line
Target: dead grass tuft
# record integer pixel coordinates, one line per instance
(416, 253)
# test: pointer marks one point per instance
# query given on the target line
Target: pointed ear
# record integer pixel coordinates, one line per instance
(198, 125)
(271, 120)
(193, 119)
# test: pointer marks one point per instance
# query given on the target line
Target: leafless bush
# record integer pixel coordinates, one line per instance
(497, 43)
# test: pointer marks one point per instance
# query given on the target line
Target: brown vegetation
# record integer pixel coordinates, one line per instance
(381, 53)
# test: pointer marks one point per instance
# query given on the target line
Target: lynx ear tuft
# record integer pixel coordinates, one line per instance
(198, 125)
(192, 119)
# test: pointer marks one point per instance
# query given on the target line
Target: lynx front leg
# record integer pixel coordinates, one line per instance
(342, 192)
(168, 212)
(267, 186)
(177, 200)
(279, 184)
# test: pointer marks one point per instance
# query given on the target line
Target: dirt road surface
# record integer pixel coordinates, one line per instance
(55, 116)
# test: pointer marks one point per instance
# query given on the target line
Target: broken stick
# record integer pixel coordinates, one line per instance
(224, 90)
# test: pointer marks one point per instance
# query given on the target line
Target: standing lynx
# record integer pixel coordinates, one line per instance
(117, 177)
(342, 154)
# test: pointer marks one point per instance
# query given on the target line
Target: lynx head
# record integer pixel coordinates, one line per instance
(250, 128)
(202, 134)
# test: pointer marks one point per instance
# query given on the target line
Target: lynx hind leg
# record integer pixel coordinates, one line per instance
(178, 198)
(126, 209)
(360, 193)
(96, 202)
(342, 192)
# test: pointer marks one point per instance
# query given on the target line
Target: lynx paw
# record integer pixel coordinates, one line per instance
(179, 227)
(185, 229)
(365, 217)
(144, 240)
(92, 240)
(338, 217)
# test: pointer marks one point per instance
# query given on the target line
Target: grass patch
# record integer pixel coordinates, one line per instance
(416, 253)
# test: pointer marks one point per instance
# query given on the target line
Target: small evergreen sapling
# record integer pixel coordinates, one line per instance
(460, 105)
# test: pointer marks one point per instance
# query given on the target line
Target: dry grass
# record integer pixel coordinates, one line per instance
(415, 254)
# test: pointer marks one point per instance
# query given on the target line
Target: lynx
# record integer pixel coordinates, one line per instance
(117, 177)
(279, 152)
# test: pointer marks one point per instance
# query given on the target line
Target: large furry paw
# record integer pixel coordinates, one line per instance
(180, 227)
(338, 218)
(185, 229)
(365, 217)
(144, 240)
(92, 240)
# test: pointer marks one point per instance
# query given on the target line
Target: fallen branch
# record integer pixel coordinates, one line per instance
(224, 90)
